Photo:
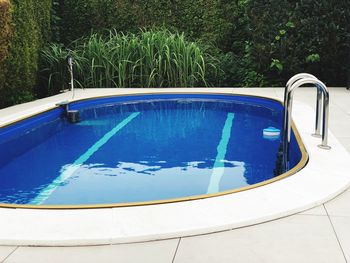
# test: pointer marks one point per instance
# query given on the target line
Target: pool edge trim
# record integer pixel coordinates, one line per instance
(301, 164)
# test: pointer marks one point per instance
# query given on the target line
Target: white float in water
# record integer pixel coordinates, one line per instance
(271, 133)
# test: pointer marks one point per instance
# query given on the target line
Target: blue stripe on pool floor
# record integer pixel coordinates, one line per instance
(219, 166)
(71, 169)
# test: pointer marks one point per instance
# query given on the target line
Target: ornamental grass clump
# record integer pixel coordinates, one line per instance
(148, 59)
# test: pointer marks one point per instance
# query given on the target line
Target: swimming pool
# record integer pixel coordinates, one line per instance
(143, 149)
(323, 177)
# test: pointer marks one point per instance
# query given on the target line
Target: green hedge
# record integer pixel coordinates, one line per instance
(256, 42)
(198, 19)
(30, 32)
(287, 37)
(5, 34)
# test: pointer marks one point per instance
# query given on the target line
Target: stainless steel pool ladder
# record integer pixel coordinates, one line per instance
(322, 100)
(70, 61)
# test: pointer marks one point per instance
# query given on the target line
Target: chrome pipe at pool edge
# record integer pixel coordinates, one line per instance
(70, 61)
(289, 84)
(289, 91)
(318, 112)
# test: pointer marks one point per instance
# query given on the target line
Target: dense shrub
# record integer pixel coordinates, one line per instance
(148, 59)
(287, 37)
(256, 42)
(30, 31)
(5, 33)
(207, 19)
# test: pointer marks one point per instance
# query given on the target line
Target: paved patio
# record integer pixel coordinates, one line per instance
(321, 234)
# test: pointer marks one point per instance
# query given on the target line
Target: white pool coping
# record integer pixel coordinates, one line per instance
(325, 176)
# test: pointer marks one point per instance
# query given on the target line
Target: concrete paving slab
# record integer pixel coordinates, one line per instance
(339, 206)
(316, 211)
(300, 238)
(5, 251)
(150, 252)
(342, 228)
(345, 142)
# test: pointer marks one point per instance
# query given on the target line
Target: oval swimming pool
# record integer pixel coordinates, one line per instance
(143, 149)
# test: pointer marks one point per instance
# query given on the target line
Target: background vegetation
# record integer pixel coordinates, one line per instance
(28, 23)
(249, 42)
(5, 32)
(148, 59)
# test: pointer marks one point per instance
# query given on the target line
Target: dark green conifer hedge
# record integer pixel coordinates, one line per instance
(30, 31)
(5, 34)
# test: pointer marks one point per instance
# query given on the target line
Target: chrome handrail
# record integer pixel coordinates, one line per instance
(322, 93)
(289, 84)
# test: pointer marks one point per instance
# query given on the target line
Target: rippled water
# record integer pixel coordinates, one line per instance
(141, 151)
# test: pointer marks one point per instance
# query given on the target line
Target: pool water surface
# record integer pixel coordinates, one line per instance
(141, 149)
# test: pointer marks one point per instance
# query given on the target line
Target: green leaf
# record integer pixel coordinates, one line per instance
(313, 58)
(290, 24)
(276, 64)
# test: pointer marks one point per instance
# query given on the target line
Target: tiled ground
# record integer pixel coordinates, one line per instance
(321, 234)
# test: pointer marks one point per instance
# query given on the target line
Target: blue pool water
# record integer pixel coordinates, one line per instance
(140, 148)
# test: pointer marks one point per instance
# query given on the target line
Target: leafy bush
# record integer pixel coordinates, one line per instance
(30, 31)
(5, 30)
(256, 42)
(288, 37)
(5, 34)
(198, 19)
(148, 59)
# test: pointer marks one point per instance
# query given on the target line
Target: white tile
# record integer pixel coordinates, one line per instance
(345, 142)
(279, 92)
(317, 211)
(265, 92)
(342, 228)
(338, 96)
(5, 251)
(339, 122)
(55, 227)
(339, 206)
(341, 97)
(298, 238)
(150, 252)
(305, 95)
